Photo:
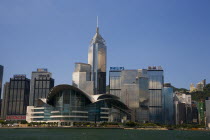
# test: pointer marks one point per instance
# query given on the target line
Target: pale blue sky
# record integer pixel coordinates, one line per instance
(54, 34)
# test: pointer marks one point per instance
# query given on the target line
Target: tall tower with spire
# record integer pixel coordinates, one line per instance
(97, 60)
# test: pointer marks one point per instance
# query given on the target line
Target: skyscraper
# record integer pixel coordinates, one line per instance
(156, 80)
(5, 101)
(18, 97)
(41, 83)
(168, 105)
(81, 77)
(97, 60)
(131, 86)
(1, 78)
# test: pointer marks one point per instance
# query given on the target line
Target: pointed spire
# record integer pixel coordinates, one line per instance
(97, 37)
(97, 22)
(97, 28)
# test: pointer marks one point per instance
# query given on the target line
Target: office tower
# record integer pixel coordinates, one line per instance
(5, 100)
(1, 79)
(208, 112)
(168, 105)
(131, 86)
(97, 60)
(81, 78)
(41, 83)
(156, 80)
(18, 97)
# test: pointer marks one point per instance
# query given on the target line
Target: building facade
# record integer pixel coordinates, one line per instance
(208, 112)
(168, 104)
(97, 59)
(201, 116)
(81, 78)
(18, 97)
(183, 108)
(66, 104)
(5, 101)
(131, 86)
(1, 79)
(156, 80)
(41, 83)
(199, 86)
(194, 113)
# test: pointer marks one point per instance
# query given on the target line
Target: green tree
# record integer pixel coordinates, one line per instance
(201, 95)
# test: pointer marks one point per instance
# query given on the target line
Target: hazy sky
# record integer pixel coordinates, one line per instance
(54, 34)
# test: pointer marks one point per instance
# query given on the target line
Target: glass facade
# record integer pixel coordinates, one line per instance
(156, 81)
(68, 104)
(81, 78)
(115, 83)
(168, 105)
(97, 60)
(131, 86)
(5, 101)
(71, 105)
(41, 83)
(18, 95)
(1, 79)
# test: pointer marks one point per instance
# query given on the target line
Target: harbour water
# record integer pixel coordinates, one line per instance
(101, 134)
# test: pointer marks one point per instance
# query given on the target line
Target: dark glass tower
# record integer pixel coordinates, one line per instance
(18, 97)
(97, 60)
(1, 79)
(5, 101)
(41, 83)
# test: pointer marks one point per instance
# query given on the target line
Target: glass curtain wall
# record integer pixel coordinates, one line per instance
(155, 100)
(115, 83)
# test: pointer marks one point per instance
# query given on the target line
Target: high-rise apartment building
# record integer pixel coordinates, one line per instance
(131, 86)
(97, 60)
(199, 86)
(18, 97)
(5, 101)
(41, 83)
(156, 80)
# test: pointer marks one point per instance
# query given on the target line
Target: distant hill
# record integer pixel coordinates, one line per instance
(184, 90)
(201, 95)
